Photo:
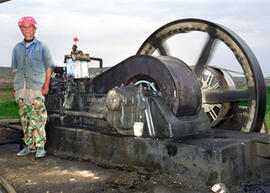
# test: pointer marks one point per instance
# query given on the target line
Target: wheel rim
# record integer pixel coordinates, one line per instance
(254, 93)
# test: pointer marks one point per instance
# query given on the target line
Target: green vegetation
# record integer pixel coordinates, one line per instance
(9, 110)
(6, 95)
(8, 107)
(267, 109)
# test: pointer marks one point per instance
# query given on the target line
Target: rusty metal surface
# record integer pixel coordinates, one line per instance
(177, 83)
(217, 156)
(162, 91)
(244, 55)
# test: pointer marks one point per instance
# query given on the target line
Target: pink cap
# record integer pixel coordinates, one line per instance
(27, 19)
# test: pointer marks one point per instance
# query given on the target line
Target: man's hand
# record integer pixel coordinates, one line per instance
(45, 89)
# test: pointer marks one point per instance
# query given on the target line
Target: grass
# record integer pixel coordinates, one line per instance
(9, 110)
(267, 109)
(6, 95)
(8, 106)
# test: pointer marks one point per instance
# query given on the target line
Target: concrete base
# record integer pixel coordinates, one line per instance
(218, 156)
(8, 135)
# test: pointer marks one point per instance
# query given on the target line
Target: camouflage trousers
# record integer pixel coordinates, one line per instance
(33, 120)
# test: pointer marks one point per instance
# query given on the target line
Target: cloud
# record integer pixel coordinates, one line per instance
(114, 30)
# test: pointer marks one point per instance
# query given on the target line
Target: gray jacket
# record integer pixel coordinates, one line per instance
(30, 64)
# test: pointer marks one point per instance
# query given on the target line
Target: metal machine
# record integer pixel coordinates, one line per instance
(171, 98)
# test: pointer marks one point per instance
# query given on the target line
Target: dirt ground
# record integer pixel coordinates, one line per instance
(52, 174)
(57, 175)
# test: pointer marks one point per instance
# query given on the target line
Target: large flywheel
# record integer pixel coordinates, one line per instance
(223, 101)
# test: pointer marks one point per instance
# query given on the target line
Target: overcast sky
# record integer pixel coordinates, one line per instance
(115, 29)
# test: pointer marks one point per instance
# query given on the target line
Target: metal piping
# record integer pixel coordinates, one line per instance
(99, 60)
(81, 114)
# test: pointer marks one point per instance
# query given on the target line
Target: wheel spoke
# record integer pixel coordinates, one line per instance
(160, 46)
(254, 95)
(163, 50)
(210, 79)
(205, 56)
(221, 96)
(215, 86)
(213, 113)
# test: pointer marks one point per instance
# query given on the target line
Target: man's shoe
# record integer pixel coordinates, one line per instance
(40, 152)
(26, 151)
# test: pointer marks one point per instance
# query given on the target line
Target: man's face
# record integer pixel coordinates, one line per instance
(28, 31)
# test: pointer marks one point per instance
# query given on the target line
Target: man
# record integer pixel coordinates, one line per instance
(31, 63)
